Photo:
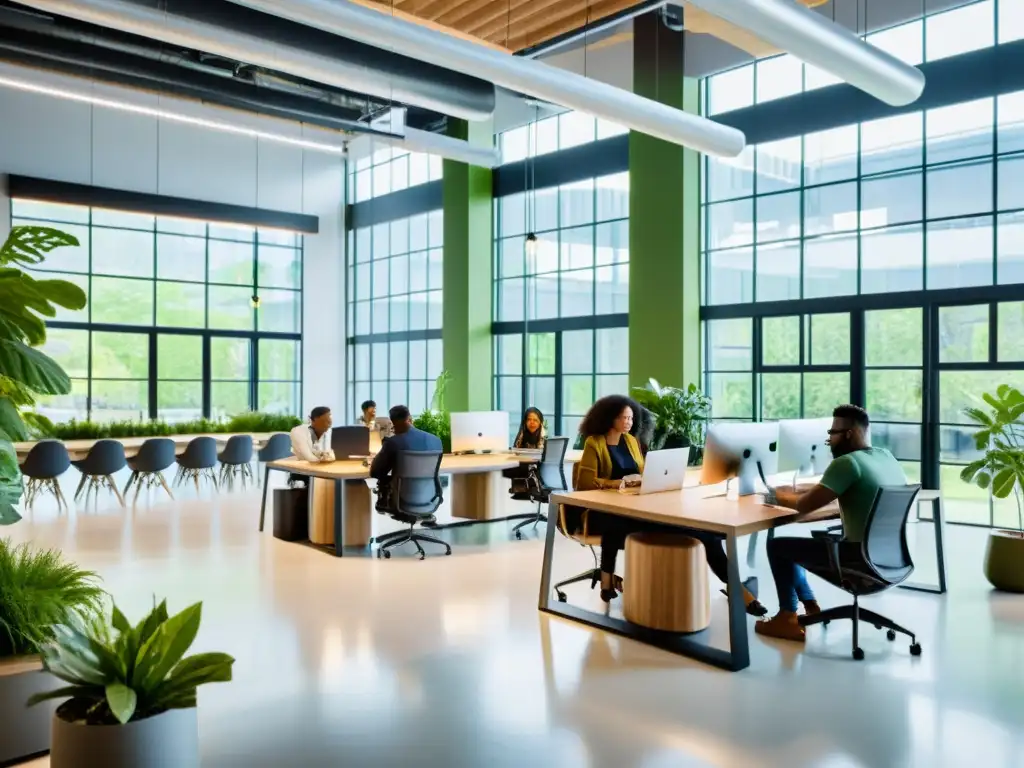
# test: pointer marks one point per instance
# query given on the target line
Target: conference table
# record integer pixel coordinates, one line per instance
(340, 508)
(78, 449)
(705, 508)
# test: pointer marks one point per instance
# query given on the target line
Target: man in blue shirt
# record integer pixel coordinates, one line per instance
(406, 438)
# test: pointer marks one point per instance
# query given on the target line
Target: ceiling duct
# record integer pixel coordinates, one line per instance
(236, 33)
(527, 76)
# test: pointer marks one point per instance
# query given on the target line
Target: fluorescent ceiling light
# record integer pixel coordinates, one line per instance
(528, 76)
(123, 106)
(813, 38)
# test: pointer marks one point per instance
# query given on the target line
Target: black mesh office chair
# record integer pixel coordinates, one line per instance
(547, 476)
(415, 497)
(884, 562)
(104, 460)
(42, 468)
(148, 465)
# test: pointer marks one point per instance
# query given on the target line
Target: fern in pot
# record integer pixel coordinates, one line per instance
(130, 694)
(38, 591)
(1001, 436)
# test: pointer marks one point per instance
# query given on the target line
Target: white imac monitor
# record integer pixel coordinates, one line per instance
(480, 432)
(803, 446)
(747, 451)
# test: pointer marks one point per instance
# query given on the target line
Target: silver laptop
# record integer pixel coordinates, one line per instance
(663, 471)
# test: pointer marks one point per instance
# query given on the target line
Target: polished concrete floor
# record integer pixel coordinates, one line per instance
(447, 662)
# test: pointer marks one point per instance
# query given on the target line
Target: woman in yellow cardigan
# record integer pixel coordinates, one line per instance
(610, 454)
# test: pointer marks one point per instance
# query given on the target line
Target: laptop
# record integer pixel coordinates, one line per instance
(350, 443)
(663, 471)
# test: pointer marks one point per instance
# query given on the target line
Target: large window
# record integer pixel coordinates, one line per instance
(387, 169)
(879, 262)
(395, 289)
(170, 318)
(551, 134)
(560, 314)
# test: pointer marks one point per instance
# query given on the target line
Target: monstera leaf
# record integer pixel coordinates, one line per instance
(29, 245)
(10, 484)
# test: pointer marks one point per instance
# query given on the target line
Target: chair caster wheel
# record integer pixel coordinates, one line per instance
(858, 654)
(519, 535)
(878, 626)
(561, 597)
(387, 555)
(448, 553)
(422, 556)
(890, 635)
(915, 649)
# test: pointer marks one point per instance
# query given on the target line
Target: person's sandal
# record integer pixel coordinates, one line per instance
(610, 594)
(754, 607)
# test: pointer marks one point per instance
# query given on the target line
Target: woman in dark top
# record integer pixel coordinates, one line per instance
(530, 435)
(611, 453)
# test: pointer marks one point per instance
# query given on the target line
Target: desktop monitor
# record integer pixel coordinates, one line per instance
(480, 432)
(350, 441)
(743, 450)
(803, 446)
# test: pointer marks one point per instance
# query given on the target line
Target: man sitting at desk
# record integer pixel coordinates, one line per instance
(854, 477)
(407, 438)
(312, 442)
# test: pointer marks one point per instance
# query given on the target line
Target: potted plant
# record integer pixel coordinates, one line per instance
(38, 591)
(130, 698)
(437, 419)
(24, 370)
(1001, 436)
(680, 416)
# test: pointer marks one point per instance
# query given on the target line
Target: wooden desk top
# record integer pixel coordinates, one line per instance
(353, 469)
(704, 508)
(79, 448)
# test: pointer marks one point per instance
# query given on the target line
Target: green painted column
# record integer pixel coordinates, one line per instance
(468, 245)
(664, 221)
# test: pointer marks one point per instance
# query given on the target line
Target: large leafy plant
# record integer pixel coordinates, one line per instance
(118, 673)
(25, 372)
(437, 419)
(38, 591)
(681, 414)
(1001, 436)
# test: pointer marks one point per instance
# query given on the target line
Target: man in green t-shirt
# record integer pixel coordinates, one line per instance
(854, 477)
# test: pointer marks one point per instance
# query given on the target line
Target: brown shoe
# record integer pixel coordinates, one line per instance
(785, 625)
(811, 608)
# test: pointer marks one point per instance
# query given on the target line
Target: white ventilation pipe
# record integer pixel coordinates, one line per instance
(527, 76)
(250, 48)
(813, 38)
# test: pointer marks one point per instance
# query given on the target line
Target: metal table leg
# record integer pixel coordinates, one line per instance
(339, 517)
(266, 484)
(939, 518)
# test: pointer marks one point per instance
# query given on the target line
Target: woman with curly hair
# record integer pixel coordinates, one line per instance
(610, 453)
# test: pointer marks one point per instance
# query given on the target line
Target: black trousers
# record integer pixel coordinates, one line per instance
(613, 530)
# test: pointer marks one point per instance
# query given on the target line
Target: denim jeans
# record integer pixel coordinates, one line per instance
(784, 557)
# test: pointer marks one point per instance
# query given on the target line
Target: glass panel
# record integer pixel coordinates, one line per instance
(1010, 335)
(1010, 245)
(731, 90)
(121, 301)
(823, 392)
(181, 258)
(959, 190)
(179, 356)
(730, 345)
(891, 143)
(613, 350)
(828, 339)
(830, 155)
(892, 199)
(781, 340)
(892, 260)
(959, 253)
(732, 395)
(577, 353)
(69, 349)
(119, 401)
(778, 271)
(959, 131)
(893, 337)
(280, 267)
(731, 276)
(778, 165)
(231, 308)
(778, 77)
(179, 400)
(279, 360)
(894, 395)
(780, 396)
(778, 217)
(230, 359)
(228, 398)
(121, 252)
(231, 263)
(830, 266)
(181, 305)
(969, 28)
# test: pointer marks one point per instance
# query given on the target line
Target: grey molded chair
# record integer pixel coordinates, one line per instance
(104, 460)
(235, 460)
(278, 446)
(884, 561)
(148, 465)
(550, 474)
(43, 466)
(415, 497)
(198, 460)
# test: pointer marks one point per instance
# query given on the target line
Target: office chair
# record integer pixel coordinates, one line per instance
(415, 497)
(198, 460)
(885, 562)
(43, 466)
(104, 460)
(148, 465)
(549, 476)
(235, 460)
(582, 538)
(278, 446)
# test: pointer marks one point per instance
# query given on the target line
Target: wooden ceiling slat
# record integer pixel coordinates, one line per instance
(464, 14)
(537, 11)
(546, 27)
(498, 12)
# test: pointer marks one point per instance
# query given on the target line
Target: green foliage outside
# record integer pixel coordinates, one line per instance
(117, 673)
(241, 423)
(437, 419)
(25, 372)
(39, 590)
(680, 415)
(1001, 436)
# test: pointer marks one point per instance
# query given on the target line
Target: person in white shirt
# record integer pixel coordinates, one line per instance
(312, 442)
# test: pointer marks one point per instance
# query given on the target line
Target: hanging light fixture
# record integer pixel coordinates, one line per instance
(254, 301)
(830, 47)
(532, 243)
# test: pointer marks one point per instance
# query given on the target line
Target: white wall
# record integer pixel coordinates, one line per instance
(53, 138)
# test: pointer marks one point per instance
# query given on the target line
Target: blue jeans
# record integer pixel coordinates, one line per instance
(784, 556)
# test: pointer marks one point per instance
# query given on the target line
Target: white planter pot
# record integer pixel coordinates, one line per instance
(25, 731)
(170, 740)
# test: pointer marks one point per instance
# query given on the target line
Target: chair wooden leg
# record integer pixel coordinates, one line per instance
(61, 501)
(115, 489)
(195, 478)
(81, 485)
(213, 479)
(131, 479)
(29, 488)
(163, 482)
(138, 490)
